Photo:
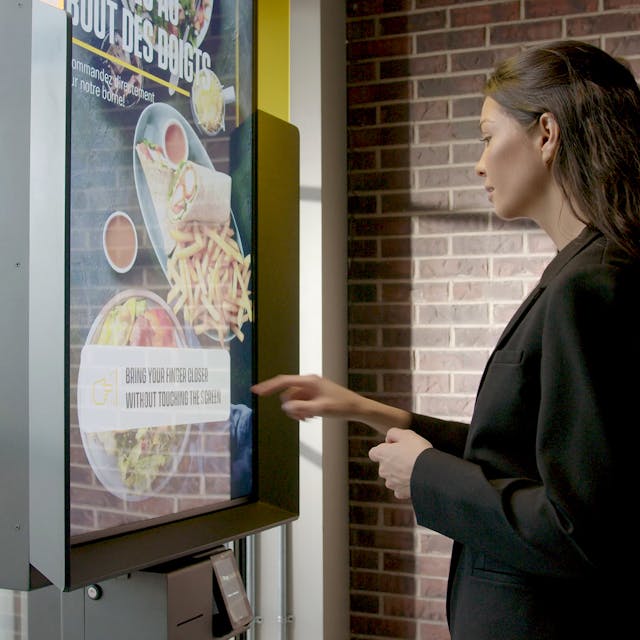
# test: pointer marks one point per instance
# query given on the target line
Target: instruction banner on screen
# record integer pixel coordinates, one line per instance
(132, 387)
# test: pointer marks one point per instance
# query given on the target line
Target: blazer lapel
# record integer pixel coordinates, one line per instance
(562, 258)
(556, 265)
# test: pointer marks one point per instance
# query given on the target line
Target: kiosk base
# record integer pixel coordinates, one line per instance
(197, 599)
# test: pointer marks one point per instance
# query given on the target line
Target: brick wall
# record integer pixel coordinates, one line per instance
(433, 275)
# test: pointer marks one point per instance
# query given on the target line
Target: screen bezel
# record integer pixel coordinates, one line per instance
(276, 454)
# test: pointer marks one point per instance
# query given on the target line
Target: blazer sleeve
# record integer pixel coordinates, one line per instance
(446, 435)
(567, 521)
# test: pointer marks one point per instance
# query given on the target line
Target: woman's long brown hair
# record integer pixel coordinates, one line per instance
(596, 102)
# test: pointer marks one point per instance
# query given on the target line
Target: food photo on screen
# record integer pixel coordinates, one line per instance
(160, 265)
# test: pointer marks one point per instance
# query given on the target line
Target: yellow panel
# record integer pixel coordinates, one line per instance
(59, 4)
(273, 57)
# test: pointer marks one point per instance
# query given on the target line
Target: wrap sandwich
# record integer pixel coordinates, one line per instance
(158, 175)
(199, 193)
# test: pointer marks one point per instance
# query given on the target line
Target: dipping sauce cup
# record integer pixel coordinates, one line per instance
(175, 143)
(120, 241)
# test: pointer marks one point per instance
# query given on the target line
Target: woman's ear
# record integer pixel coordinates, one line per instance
(550, 136)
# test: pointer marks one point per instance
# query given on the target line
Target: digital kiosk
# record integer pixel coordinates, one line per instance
(157, 244)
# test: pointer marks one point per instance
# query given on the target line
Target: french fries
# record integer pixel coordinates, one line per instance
(209, 279)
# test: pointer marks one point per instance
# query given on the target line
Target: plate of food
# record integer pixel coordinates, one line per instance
(186, 207)
(135, 464)
(208, 100)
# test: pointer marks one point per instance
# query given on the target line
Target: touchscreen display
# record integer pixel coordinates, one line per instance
(161, 301)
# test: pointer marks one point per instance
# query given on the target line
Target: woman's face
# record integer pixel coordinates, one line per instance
(513, 166)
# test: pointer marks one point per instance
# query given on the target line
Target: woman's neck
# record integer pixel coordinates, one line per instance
(561, 225)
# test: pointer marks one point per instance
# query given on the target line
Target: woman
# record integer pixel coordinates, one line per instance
(536, 490)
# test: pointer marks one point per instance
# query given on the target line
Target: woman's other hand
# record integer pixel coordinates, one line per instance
(396, 457)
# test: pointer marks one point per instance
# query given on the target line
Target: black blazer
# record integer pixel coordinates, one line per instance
(538, 490)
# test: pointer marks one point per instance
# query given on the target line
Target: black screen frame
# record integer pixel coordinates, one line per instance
(275, 499)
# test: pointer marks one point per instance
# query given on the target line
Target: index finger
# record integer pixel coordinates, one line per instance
(280, 383)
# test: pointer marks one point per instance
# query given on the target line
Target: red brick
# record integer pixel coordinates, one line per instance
(398, 516)
(382, 226)
(362, 337)
(468, 383)
(363, 382)
(380, 180)
(454, 408)
(361, 292)
(363, 470)
(414, 156)
(364, 559)
(619, 4)
(378, 48)
(430, 292)
(432, 587)
(359, 514)
(479, 59)
(361, 492)
(447, 223)
(449, 314)
(449, 131)
(375, 270)
(382, 627)
(377, 581)
(378, 136)
(367, 93)
(359, 160)
(522, 266)
(362, 72)
(359, 8)
(469, 200)
(362, 204)
(552, 8)
(603, 23)
(424, 111)
(383, 539)
(450, 40)
(414, 202)
(411, 607)
(413, 22)
(446, 177)
(360, 29)
(485, 14)
(453, 267)
(391, 359)
(435, 543)
(430, 4)
(414, 66)
(364, 603)
(476, 291)
(433, 631)
(395, 248)
(477, 337)
(525, 31)
(395, 113)
(450, 86)
(467, 153)
(433, 566)
(428, 110)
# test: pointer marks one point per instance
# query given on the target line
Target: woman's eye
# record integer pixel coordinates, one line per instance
(485, 140)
